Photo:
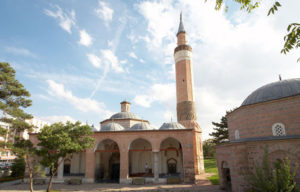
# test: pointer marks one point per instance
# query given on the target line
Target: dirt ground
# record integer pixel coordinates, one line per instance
(115, 187)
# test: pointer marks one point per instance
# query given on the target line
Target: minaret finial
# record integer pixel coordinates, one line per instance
(181, 16)
(181, 27)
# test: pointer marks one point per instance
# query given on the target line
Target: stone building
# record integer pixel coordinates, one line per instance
(127, 146)
(269, 117)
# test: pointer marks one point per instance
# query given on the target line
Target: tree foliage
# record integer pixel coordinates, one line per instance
(291, 39)
(279, 178)
(220, 134)
(59, 141)
(209, 150)
(18, 167)
(13, 99)
(25, 150)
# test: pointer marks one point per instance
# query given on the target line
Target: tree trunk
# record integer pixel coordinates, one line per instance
(50, 182)
(31, 182)
(29, 163)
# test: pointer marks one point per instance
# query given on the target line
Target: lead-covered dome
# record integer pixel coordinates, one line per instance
(272, 91)
(172, 125)
(141, 126)
(112, 127)
(125, 115)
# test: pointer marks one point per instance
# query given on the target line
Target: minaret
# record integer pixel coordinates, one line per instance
(186, 109)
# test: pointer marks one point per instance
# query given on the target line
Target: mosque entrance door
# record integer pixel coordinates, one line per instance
(115, 172)
(172, 165)
(67, 167)
(226, 176)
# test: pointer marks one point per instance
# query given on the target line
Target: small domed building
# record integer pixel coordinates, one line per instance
(127, 146)
(268, 117)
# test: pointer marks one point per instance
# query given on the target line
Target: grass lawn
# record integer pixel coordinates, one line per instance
(8, 178)
(210, 166)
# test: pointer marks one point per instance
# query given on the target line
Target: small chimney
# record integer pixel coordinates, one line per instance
(125, 106)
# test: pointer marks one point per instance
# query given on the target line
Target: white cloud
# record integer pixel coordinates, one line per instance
(142, 60)
(20, 51)
(123, 61)
(56, 118)
(94, 60)
(85, 38)
(104, 12)
(82, 104)
(162, 93)
(110, 59)
(232, 54)
(66, 19)
(133, 55)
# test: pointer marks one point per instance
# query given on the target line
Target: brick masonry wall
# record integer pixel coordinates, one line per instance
(256, 120)
(240, 156)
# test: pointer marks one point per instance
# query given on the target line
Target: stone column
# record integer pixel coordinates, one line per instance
(124, 165)
(60, 171)
(89, 166)
(155, 167)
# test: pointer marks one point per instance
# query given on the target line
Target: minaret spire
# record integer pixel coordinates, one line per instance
(181, 27)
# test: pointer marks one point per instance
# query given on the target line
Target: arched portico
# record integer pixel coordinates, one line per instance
(107, 161)
(140, 158)
(170, 158)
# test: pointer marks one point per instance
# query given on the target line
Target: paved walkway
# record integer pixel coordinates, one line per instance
(203, 185)
(116, 188)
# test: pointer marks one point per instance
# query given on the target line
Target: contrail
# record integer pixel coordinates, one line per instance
(115, 45)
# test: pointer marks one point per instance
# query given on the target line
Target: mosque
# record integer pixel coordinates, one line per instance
(128, 147)
(268, 118)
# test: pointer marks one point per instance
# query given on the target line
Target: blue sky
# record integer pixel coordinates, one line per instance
(80, 59)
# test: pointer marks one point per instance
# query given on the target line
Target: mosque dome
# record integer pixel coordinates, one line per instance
(172, 125)
(112, 127)
(125, 115)
(141, 126)
(273, 91)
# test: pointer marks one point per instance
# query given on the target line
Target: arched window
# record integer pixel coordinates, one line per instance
(278, 129)
(237, 134)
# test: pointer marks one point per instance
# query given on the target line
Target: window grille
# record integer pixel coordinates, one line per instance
(278, 129)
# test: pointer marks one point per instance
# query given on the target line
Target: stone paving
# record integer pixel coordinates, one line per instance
(116, 188)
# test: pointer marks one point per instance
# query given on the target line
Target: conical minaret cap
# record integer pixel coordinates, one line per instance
(181, 27)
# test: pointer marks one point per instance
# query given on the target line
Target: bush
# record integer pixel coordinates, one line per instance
(280, 178)
(209, 150)
(18, 168)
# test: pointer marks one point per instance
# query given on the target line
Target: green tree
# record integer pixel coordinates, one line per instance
(59, 141)
(220, 134)
(209, 150)
(18, 167)
(25, 150)
(291, 39)
(279, 178)
(13, 99)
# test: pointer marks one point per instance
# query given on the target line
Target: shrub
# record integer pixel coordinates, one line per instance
(18, 168)
(280, 178)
